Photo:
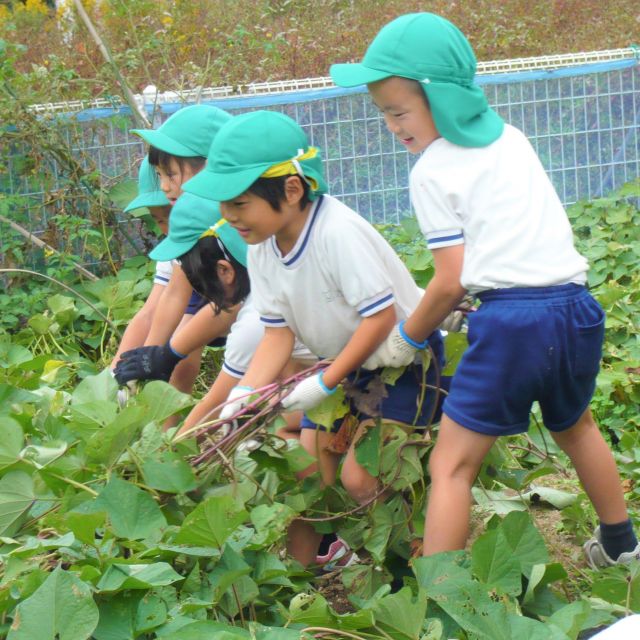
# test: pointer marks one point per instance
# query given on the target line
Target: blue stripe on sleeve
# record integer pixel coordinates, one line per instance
(273, 321)
(231, 371)
(456, 238)
(377, 304)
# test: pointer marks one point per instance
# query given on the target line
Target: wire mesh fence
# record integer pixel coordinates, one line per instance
(580, 111)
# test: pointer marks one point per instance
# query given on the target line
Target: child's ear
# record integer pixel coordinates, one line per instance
(293, 190)
(225, 272)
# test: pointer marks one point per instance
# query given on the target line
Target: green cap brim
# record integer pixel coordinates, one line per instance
(223, 186)
(149, 199)
(164, 143)
(169, 249)
(354, 74)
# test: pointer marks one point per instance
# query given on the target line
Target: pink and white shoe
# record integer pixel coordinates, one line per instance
(338, 556)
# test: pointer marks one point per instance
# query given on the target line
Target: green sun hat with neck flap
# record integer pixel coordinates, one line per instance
(192, 218)
(149, 193)
(257, 144)
(430, 49)
(187, 133)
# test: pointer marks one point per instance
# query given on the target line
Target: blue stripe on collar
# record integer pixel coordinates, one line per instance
(307, 234)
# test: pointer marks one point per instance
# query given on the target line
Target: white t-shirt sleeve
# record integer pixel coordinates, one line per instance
(242, 341)
(438, 210)
(163, 273)
(354, 256)
(263, 299)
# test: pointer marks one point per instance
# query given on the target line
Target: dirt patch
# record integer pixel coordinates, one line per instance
(331, 587)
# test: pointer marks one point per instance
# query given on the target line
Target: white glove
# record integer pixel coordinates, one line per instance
(307, 394)
(398, 350)
(239, 397)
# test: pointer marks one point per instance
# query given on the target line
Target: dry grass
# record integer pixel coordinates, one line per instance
(183, 44)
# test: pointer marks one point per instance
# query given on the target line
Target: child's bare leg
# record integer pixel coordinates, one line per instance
(358, 482)
(291, 431)
(453, 466)
(302, 539)
(595, 466)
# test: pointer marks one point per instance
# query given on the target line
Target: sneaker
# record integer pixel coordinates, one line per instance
(597, 557)
(338, 556)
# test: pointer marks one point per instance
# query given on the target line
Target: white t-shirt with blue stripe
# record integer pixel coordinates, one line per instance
(163, 273)
(340, 271)
(245, 335)
(497, 201)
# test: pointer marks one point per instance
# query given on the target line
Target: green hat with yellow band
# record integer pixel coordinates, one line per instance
(258, 144)
(188, 132)
(433, 51)
(149, 193)
(193, 218)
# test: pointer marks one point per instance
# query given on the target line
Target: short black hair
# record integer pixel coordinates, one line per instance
(272, 190)
(159, 158)
(199, 265)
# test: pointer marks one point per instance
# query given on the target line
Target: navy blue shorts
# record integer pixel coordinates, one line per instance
(402, 399)
(196, 302)
(525, 345)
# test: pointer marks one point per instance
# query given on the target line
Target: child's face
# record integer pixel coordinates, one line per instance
(253, 217)
(172, 177)
(406, 112)
(161, 217)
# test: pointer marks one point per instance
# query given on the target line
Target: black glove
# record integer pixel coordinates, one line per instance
(147, 363)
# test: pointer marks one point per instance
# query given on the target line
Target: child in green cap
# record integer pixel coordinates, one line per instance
(177, 151)
(152, 198)
(497, 230)
(319, 273)
(213, 258)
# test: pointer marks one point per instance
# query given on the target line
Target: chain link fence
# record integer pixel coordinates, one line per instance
(580, 111)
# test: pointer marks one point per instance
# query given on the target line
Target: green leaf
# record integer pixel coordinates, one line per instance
(524, 540)
(493, 566)
(63, 309)
(540, 576)
(378, 537)
(118, 617)
(230, 568)
(271, 522)
(171, 474)
(368, 450)
(311, 610)
(16, 498)
(133, 513)
(162, 400)
(61, 609)
(297, 457)
(10, 441)
(106, 445)
(152, 612)
(330, 409)
(456, 344)
(206, 629)
(364, 580)
(401, 615)
(499, 502)
(84, 525)
(211, 522)
(570, 619)
(137, 576)
(11, 397)
(619, 585)
(123, 192)
(100, 387)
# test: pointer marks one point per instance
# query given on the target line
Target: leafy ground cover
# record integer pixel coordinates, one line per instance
(180, 45)
(108, 531)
